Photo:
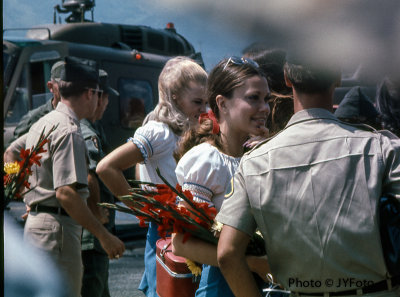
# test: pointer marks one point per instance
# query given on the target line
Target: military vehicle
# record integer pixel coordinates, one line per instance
(133, 56)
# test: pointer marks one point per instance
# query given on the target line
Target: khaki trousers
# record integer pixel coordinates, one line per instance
(59, 237)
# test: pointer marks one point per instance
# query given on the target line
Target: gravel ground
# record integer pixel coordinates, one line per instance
(125, 274)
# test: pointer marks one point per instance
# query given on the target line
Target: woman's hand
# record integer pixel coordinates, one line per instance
(256, 139)
(25, 215)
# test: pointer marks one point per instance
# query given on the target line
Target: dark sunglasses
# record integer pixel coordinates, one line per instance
(241, 61)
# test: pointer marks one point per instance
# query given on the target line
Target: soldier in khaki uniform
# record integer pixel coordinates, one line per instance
(60, 185)
(95, 260)
(313, 192)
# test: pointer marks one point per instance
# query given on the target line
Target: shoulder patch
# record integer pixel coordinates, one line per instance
(95, 141)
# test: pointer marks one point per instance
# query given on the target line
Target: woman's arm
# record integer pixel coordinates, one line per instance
(194, 249)
(232, 262)
(110, 168)
(203, 252)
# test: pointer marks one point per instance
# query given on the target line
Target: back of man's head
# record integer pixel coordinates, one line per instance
(77, 75)
(309, 75)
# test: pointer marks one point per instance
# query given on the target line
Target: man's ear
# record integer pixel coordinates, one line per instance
(88, 94)
(50, 86)
(287, 81)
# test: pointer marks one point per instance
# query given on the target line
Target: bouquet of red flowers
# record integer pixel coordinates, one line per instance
(157, 203)
(15, 179)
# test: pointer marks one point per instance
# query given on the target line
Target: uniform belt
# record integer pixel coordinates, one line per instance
(48, 209)
(376, 287)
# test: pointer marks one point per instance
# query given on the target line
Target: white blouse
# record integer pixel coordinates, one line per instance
(157, 143)
(207, 173)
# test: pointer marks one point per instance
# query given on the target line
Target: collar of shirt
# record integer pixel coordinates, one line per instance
(311, 114)
(62, 107)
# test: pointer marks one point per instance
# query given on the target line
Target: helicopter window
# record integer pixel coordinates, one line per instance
(19, 104)
(136, 100)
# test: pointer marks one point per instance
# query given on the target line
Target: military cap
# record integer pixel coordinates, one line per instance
(76, 69)
(104, 83)
(56, 70)
(356, 105)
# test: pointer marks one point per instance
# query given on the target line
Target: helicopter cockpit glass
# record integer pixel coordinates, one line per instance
(30, 95)
(136, 100)
(20, 102)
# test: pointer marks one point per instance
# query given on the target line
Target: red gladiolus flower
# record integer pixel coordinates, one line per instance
(24, 154)
(142, 222)
(27, 184)
(28, 157)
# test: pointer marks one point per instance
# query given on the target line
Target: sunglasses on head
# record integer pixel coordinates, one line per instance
(241, 61)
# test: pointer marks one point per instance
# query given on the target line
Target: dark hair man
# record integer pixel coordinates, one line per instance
(313, 190)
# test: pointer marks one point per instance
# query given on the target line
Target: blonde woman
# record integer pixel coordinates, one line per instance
(181, 87)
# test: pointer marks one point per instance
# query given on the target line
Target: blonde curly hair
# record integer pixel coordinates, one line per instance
(174, 79)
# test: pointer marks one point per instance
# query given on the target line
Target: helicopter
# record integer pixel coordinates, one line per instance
(132, 55)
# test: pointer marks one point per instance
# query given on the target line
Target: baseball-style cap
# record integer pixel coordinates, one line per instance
(55, 72)
(76, 69)
(104, 83)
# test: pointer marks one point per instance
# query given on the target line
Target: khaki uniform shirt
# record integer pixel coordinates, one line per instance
(313, 190)
(64, 163)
